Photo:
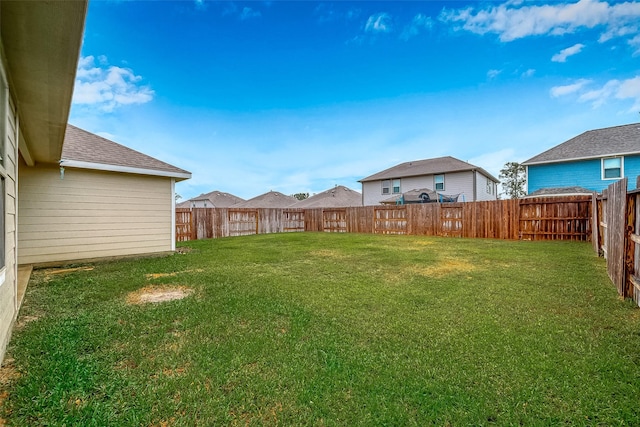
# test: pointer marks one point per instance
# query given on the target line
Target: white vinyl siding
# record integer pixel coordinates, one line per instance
(8, 172)
(91, 214)
(485, 188)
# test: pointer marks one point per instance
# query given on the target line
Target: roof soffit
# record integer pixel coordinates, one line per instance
(41, 43)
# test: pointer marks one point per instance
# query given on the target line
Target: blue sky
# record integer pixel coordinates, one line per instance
(302, 96)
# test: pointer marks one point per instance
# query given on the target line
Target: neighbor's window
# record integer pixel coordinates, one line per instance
(439, 182)
(386, 186)
(612, 168)
(396, 186)
(489, 187)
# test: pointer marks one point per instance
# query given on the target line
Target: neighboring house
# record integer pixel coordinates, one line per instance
(444, 175)
(271, 199)
(39, 50)
(214, 199)
(592, 160)
(102, 200)
(337, 197)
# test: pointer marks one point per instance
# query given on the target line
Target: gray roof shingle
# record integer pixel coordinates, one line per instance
(560, 191)
(218, 199)
(271, 199)
(434, 166)
(337, 197)
(617, 140)
(83, 146)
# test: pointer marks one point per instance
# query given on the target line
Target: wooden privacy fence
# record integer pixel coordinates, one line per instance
(618, 218)
(549, 218)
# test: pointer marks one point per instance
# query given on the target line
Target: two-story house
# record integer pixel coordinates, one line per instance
(443, 175)
(591, 160)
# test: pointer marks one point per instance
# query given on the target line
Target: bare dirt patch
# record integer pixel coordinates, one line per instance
(24, 320)
(8, 374)
(156, 294)
(152, 276)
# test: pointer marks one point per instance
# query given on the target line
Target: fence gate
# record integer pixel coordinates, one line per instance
(292, 221)
(243, 223)
(334, 220)
(451, 221)
(184, 225)
(390, 221)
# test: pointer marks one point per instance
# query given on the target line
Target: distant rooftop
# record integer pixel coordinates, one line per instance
(337, 197)
(433, 166)
(271, 199)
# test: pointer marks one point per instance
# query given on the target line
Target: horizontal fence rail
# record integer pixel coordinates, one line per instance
(548, 218)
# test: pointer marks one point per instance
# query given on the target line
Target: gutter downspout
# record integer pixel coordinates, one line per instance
(475, 189)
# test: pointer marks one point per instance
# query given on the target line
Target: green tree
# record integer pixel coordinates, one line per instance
(513, 178)
(301, 196)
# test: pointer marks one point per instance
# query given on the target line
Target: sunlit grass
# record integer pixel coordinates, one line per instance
(332, 329)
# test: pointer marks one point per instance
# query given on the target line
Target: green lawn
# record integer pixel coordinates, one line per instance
(331, 329)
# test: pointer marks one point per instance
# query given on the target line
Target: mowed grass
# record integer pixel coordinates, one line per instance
(331, 329)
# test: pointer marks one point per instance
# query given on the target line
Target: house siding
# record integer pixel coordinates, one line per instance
(91, 214)
(481, 188)
(454, 183)
(8, 287)
(583, 173)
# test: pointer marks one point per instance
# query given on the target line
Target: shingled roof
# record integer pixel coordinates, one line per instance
(218, 199)
(613, 141)
(337, 197)
(434, 166)
(272, 199)
(86, 150)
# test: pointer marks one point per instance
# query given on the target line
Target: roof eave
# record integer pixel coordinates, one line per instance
(412, 175)
(179, 176)
(42, 42)
(575, 159)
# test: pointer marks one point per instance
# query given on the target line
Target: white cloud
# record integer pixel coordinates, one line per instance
(529, 73)
(565, 53)
(558, 91)
(511, 20)
(418, 23)
(248, 13)
(635, 43)
(492, 74)
(379, 23)
(598, 97)
(108, 87)
(628, 89)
